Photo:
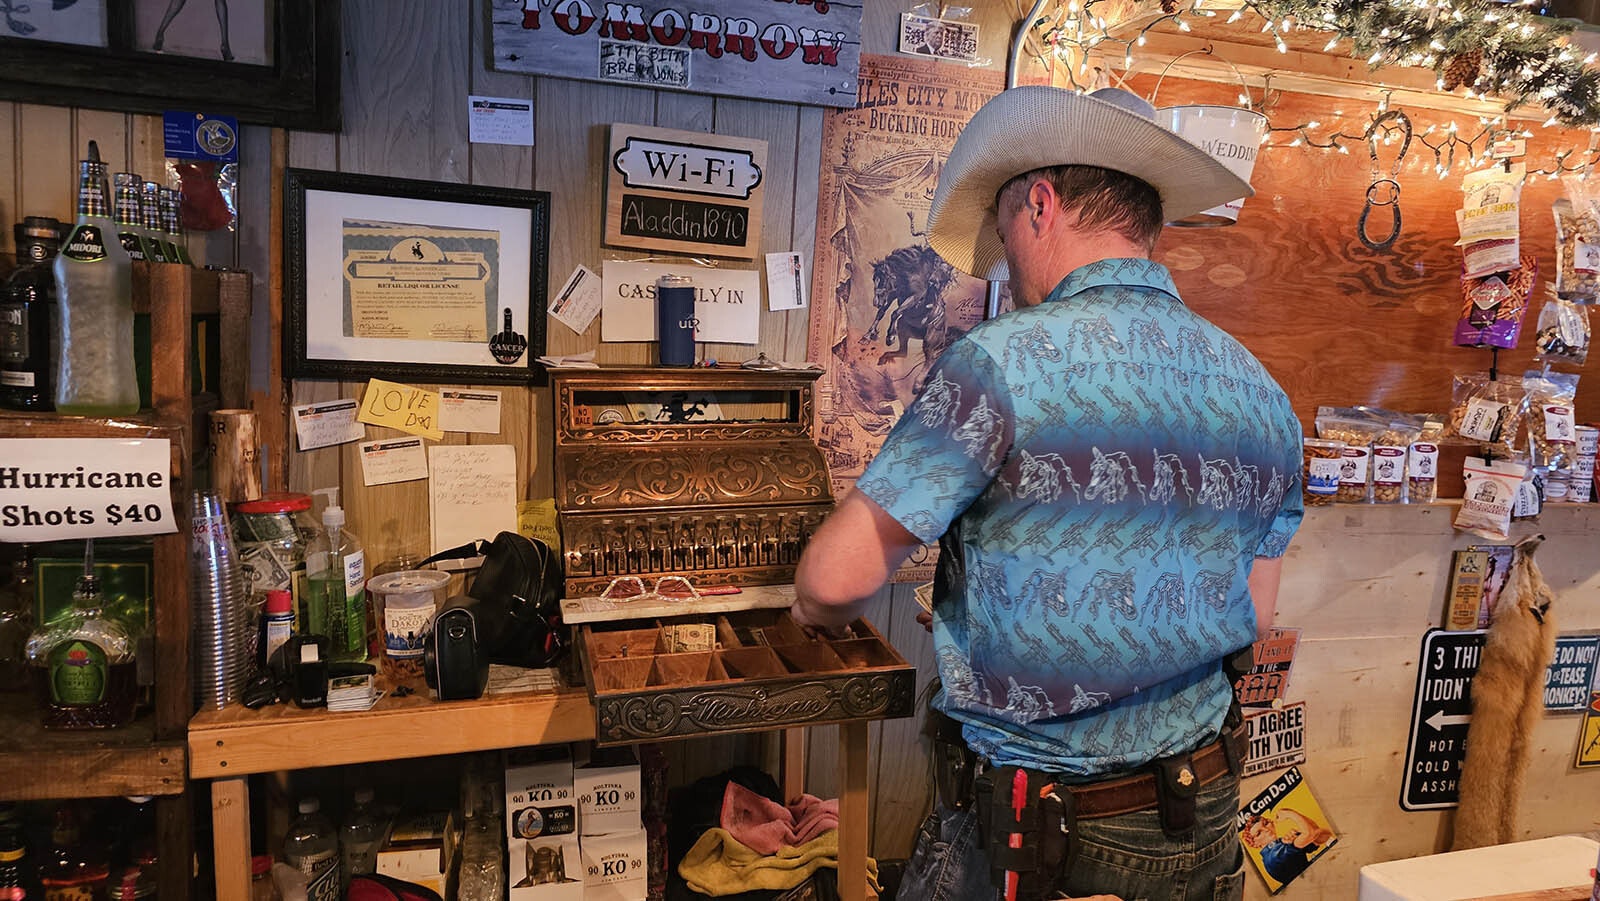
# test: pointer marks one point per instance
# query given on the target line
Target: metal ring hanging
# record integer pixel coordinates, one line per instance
(1379, 180)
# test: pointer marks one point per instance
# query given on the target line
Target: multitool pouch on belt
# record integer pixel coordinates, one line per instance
(1176, 788)
(1025, 827)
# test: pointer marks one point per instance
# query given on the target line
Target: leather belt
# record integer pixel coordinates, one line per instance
(1136, 792)
(1127, 794)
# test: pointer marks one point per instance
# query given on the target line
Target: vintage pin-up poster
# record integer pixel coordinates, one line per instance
(884, 305)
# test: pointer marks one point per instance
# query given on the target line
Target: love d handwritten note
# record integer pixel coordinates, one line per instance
(414, 411)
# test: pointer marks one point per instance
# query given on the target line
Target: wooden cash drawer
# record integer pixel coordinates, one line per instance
(735, 671)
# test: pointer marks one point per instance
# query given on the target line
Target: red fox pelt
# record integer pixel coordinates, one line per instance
(1507, 702)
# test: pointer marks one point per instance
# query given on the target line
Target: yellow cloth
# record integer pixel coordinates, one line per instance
(719, 865)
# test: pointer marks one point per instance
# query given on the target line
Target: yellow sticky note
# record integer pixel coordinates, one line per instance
(411, 410)
(537, 519)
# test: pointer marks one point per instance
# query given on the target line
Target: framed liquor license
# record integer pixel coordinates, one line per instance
(272, 62)
(413, 280)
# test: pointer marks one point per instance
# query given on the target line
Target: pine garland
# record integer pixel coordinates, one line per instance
(1521, 58)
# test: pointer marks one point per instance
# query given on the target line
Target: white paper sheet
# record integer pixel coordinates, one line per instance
(472, 492)
(327, 424)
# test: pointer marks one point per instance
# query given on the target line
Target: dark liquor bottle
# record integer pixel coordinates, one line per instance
(29, 331)
(16, 877)
(125, 206)
(73, 870)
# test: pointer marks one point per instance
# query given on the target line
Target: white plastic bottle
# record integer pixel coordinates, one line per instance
(360, 837)
(335, 604)
(94, 291)
(311, 845)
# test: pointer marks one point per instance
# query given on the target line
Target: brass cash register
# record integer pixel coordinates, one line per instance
(708, 477)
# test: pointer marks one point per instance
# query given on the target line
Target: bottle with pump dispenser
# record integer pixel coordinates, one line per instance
(335, 601)
(94, 291)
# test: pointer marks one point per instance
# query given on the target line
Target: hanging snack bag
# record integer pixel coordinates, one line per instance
(1552, 429)
(1490, 496)
(1493, 306)
(1356, 430)
(1389, 461)
(1530, 492)
(1490, 413)
(1577, 251)
(1490, 220)
(1563, 335)
(1422, 464)
(1319, 478)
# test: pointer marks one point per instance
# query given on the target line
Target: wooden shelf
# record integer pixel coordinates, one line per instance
(237, 741)
(38, 764)
(144, 424)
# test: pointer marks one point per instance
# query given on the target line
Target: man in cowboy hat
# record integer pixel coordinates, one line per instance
(1113, 481)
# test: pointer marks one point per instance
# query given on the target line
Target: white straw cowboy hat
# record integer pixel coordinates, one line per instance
(1027, 128)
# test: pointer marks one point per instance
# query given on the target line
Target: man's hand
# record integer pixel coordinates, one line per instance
(926, 619)
(813, 626)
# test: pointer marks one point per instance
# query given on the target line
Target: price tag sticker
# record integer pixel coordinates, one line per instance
(414, 411)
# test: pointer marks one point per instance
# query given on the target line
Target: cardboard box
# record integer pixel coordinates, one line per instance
(539, 794)
(418, 850)
(609, 794)
(548, 868)
(614, 867)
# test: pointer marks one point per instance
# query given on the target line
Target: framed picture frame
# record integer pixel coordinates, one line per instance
(269, 62)
(413, 281)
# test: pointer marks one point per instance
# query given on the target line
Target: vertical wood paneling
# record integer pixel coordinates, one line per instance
(10, 175)
(48, 161)
(110, 130)
(807, 171)
(405, 89)
(498, 164)
(689, 112)
(571, 137)
(776, 124)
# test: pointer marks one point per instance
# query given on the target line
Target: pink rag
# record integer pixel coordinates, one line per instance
(764, 826)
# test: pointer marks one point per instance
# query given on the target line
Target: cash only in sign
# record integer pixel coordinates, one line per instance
(61, 488)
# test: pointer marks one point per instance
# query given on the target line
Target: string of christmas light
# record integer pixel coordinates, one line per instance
(1486, 49)
(1446, 143)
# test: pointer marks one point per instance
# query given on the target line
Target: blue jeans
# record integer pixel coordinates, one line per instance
(1127, 856)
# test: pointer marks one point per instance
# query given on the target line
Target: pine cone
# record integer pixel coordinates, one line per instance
(1463, 70)
(1169, 6)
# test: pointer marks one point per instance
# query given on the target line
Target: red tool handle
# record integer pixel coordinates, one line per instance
(1019, 802)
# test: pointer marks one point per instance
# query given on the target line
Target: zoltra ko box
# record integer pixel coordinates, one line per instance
(549, 868)
(608, 790)
(614, 867)
(539, 795)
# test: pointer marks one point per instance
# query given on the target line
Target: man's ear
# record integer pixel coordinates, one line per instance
(1042, 204)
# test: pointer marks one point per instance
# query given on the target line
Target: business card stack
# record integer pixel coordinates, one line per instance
(347, 693)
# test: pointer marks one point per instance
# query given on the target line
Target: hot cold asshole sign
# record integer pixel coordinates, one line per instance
(61, 488)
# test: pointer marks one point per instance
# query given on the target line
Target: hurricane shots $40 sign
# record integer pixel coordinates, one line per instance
(1439, 719)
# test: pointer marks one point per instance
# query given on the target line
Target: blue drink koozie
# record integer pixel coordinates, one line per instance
(675, 322)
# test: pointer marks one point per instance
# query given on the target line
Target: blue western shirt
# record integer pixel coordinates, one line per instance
(1101, 470)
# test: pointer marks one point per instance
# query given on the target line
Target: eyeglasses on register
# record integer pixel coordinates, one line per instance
(667, 588)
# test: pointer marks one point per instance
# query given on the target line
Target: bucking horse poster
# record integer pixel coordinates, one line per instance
(885, 305)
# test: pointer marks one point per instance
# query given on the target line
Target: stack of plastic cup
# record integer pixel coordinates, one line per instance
(224, 631)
